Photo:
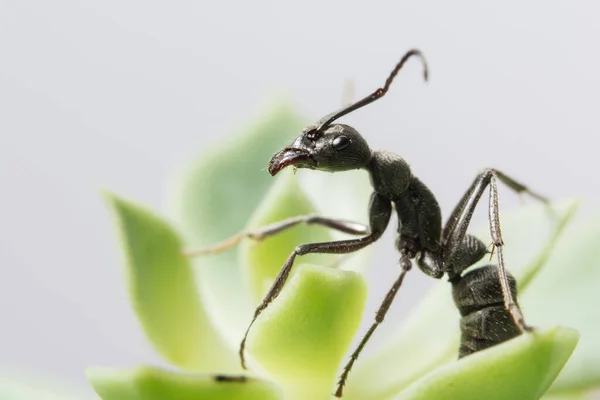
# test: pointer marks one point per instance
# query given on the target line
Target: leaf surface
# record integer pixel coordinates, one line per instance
(149, 383)
(162, 290)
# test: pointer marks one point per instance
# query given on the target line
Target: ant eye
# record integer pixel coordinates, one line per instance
(340, 142)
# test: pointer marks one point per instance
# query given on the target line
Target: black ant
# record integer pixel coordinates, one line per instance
(486, 297)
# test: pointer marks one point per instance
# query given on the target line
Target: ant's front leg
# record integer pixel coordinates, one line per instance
(352, 228)
(380, 212)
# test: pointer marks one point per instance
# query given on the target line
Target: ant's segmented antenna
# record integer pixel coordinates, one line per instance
(410, 53)
(379, 93)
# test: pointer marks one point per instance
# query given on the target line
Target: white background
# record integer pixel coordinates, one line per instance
(120, 93)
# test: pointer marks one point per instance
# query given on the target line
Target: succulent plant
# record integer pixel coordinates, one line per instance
(195, 311)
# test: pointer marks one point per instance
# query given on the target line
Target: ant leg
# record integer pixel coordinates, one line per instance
(507, 180)
(519, 187)
(353, 228)
(451, 222)
(461, 223)
(406, 265)
(380, 213)
(339, 247)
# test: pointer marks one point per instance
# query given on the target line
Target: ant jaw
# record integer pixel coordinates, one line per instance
(298, 158)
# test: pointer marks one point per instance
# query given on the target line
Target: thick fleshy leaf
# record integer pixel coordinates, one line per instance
(163, 293)
(566, 292)
(214, 198)
(149, 383)
(301, 338)
(263, 260)
(520, 369)
(429, 338)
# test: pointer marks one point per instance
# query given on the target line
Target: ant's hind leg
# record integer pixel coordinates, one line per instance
(352, 228)
(459, 222)
(405, 265)
(507, 180)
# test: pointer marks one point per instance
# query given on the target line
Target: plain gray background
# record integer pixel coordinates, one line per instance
(121, 93)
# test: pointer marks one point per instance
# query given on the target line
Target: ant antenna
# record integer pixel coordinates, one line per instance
(379, 93)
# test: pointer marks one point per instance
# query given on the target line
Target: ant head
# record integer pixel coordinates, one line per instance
(334, 148)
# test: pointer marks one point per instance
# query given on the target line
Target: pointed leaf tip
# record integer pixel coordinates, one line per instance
(213, 199)
(225, 184)
(162, 290)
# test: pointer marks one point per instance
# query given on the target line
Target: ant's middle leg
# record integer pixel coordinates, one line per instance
(380, 212)
(405, 265)
(456, 228)
(352, 228)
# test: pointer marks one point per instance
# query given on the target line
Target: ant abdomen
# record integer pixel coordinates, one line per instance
(485, 320)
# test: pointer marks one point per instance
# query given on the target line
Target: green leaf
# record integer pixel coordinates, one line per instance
(520, 369)
(566, 292)
(148, 383)
(302, 337)
(263, 260)
(429, 338)
(162, 291)
(214, 198)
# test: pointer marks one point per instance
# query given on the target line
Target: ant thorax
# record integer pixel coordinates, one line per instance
(385, 165)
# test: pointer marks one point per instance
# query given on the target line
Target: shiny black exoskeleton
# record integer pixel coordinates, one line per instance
(486, 298)
(478, 296)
